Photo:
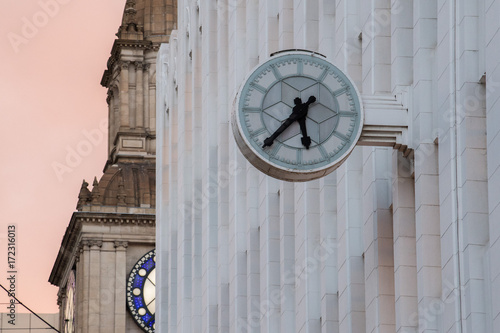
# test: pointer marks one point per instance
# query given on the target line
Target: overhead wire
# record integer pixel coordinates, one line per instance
(27, 308)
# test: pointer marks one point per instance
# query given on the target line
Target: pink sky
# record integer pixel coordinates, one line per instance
(49, 97)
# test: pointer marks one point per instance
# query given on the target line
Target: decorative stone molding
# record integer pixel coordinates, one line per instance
(135, 219)
(121, 245)
(95, 244)
(110, 96)
(84, 196)
(61, 296)
(84, 245)
(96, 194)
(124, 64)
(138, 65)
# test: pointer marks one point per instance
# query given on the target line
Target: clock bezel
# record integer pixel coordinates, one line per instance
(267, 166)
(130, 296)
(70, 303)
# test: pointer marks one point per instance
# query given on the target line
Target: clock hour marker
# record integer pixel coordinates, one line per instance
(323, 152)
(275, 150)
(300, 68)
(252, 110)
(258, 132)
(323, 75)
(340, 136)
(258, 87)
(347, 114)
(340, 91)
(276, 72)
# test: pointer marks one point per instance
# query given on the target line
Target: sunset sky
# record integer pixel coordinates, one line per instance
(53, 55)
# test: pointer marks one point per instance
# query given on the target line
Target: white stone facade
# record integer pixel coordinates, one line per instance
(389, 242)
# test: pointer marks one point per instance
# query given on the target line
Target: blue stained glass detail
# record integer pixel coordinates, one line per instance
(139, 281)
(147, 317)
(152, 322)
(148, 265)
(138, 302)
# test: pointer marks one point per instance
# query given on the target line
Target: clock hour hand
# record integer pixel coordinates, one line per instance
(306, 140)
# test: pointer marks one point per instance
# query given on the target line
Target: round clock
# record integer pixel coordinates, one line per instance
(297, 117)
(141, 292)
(69, 307)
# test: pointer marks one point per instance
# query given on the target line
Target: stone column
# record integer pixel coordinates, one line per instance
(124, 98)
(152, 99)
(145, 92)
(94, 281)
(111, 118)
(83, 289)
(139, 99)
(107, 287)
(120, 285)
(131, 95)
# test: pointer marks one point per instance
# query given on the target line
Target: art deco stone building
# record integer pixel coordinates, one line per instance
(112, 233)
(402, 237)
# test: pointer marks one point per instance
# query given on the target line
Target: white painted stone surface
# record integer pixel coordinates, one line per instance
(386, 243)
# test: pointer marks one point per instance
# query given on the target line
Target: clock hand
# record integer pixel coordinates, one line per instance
(299, 113)
(306, 140)
(269, 141)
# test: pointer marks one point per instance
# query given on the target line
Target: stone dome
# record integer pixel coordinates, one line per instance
(123, 188)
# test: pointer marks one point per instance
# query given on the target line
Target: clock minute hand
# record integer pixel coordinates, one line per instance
(269, 141)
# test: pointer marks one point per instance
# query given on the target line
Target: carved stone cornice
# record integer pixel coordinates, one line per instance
(136, 219)
(73, 245)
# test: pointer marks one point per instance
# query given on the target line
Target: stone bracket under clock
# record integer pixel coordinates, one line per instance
(386, 121)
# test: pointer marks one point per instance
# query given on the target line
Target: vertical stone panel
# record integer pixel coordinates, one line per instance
(287, 254)
(132, 91)
(350, 245)
(210, 175)
(326, 254)
(285, 24)
(327, 24)
(120, 270)
(225, 174)
(405, 261)
(139, 99)
(124, 98)
(146, 101)
(198, 195)
(94, 285)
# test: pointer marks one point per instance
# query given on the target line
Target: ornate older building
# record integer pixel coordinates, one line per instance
(106, 263)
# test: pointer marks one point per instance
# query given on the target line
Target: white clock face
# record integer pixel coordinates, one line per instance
(69, 308)
(141, 289)
(297, 140)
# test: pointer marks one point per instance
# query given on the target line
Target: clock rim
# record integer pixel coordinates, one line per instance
(71, 277)
(133, 312)
(277, 171)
